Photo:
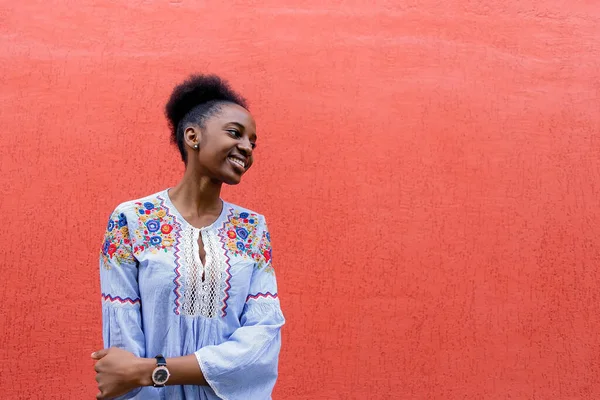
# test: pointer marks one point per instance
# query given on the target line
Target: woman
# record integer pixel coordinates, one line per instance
(189, 298)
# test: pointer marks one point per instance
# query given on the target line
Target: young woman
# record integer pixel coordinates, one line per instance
(189, 299)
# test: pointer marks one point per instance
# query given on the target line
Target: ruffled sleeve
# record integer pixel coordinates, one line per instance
(121, 303)
(245, 366)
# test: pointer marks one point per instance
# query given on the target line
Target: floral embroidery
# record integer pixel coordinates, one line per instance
(241, 239)
(117, 245)
(155, 231)
(241, 231)
(264, 252)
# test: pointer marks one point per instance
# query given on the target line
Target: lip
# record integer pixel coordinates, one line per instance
(235, 165)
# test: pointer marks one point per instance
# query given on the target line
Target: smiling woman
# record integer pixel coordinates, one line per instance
(189, 297)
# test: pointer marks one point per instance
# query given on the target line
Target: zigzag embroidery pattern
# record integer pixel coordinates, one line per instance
(262, 295)
(119, 299)
(227, 259)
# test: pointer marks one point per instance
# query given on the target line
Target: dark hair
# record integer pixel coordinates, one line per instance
(193, 101)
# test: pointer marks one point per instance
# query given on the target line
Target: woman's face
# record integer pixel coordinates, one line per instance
(225, 144)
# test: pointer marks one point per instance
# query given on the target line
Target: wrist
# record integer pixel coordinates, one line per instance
(144, 369)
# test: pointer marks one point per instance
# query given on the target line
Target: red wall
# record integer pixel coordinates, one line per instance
(430, 173)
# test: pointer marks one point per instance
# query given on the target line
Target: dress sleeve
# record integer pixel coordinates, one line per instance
(245, 366)
(121, 303)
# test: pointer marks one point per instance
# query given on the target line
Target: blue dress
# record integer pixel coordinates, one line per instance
(158, 297)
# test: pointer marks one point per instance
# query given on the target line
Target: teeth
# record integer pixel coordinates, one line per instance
(238, 162)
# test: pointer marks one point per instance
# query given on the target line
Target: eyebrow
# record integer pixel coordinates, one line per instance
(242, 127)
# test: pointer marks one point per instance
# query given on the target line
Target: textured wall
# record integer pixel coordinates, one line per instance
(429, 170)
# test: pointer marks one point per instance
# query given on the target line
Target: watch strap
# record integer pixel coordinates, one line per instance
(160, 360)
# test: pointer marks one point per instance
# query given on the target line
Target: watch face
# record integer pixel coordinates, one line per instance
(160, 375)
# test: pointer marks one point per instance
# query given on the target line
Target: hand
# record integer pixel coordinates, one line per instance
(118, 372)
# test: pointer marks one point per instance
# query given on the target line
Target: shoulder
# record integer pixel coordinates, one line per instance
(245, 233)
(133, 209)
(239, 215)
(243, 227)
(146, 201)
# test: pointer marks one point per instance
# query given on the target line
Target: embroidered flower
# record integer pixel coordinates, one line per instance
(231, 234)
(153, 225)
(240, 246)
(111, 225)
(148, 205)
(122, 220)
(106, 246)
(155, 240)
(241, 232)
(166, 228)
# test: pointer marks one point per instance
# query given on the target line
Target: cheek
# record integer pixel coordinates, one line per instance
(210, 154)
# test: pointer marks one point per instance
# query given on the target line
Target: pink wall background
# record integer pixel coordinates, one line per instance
(429, 171)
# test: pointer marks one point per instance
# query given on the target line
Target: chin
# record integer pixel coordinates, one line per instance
(232, 180)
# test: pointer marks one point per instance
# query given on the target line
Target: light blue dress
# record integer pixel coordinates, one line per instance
(158, 297)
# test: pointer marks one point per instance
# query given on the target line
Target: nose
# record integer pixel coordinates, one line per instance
(245, 146)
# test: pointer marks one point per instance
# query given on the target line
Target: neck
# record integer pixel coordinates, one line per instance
(196, 195)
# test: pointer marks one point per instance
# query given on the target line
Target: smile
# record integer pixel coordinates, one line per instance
(237, 161)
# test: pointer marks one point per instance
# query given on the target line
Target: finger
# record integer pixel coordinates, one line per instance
(99, 354)
(101, 393)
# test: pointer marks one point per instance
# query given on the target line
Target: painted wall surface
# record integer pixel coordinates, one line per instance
(430, 171)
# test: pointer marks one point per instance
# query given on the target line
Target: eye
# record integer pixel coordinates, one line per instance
(237, 134)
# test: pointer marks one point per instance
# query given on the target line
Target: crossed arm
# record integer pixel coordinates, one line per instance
(118, 371)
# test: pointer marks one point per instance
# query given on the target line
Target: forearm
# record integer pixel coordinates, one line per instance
(184, 371)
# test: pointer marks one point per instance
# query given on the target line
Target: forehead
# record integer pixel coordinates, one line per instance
(233, 113)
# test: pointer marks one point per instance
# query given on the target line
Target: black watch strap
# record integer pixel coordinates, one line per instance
(160, 360)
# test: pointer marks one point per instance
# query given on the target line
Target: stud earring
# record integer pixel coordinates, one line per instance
(196, 147)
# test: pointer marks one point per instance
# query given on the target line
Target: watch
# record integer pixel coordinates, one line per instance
(161, 374)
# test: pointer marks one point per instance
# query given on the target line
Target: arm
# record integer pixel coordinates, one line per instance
(121, 316)
(135, 371)
(246, 365)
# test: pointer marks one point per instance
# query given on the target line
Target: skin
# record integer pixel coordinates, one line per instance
(231, 132)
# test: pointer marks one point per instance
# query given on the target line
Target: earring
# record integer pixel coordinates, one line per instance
(196, 147)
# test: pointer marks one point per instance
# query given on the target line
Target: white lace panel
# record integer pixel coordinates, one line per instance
(204, 285)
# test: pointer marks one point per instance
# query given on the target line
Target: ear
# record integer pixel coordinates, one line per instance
(192, 136)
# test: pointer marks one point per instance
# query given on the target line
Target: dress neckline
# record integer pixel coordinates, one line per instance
(185, 222)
